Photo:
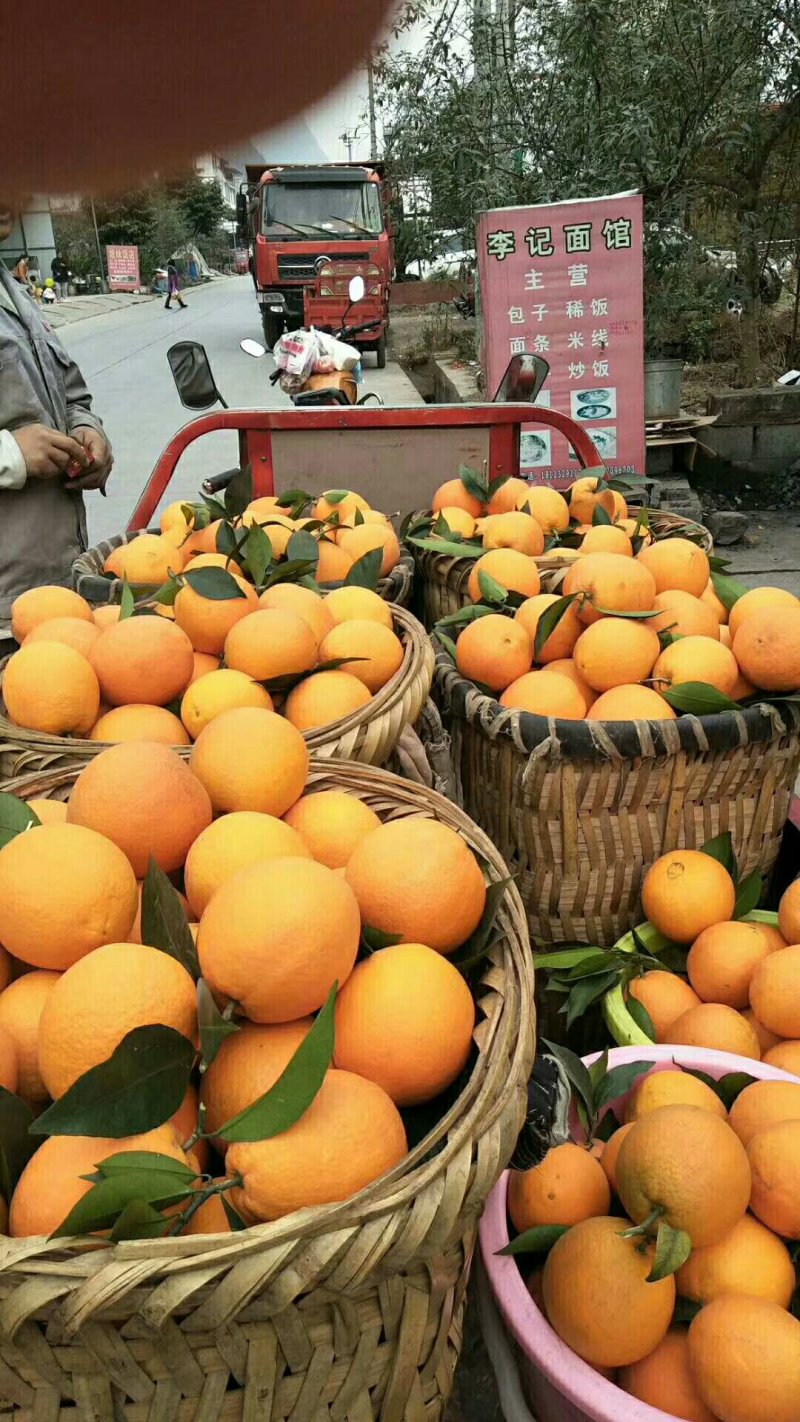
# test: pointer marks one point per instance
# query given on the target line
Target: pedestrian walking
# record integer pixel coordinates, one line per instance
(173, 287)
(61, 275)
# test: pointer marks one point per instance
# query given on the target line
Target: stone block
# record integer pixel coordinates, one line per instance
(727, 526)
(774, 405)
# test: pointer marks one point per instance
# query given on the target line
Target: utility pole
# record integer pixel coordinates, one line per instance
(373, 127)
(348, 139)
(97, 241)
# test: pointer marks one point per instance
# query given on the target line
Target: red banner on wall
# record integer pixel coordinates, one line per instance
(564, 281)
(123, 268)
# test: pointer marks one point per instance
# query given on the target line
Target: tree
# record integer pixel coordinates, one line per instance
(202, 204)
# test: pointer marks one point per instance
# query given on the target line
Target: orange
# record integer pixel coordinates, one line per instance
(324, 697)
(714, 1025)
(774, 1156)
(564, 636)
(361, 540)
(676, 563)
(764, 1104)
(232, 843)
(672, 1088)
(686, 891)
(71, 631)
(91, 894)
(174, 517)
(184, 1119)
(344, 507)
(143, 659)
(140, 723)
(514, 571)
(452, 494)
(587, 494)
(565, 666)
(207, 621)
(54, 1180)
(349, 1136)
(630, 703)
(750, 1260)
(547, 506)
(376, 652)
(723, 959)
(49, 812)
(50, 687)
(404, 1019)
(267, 506)
(346, 604)
(610, 582)
(545, 693)
(634, 529)
(709, 597)
(665, 997)
(744, 1355)
(209, 1219)
(597, 1297)
(43, 603)
(611, 1149)
(203, 662)
(689, 1163)
(249, 759)
(785, 1055)
(457, 520)
(214, 560)
(277, 935)
(277, 526)
(775, 992)
(114, 561)
(607, 538)
(331, 823)
(766, 1039)
(219, 691)
(417, 878)
(742, 688)
(664, 1380)
(684, 615)
(614, 652)
(148, 561)
(101, 998)
(144, 799)
(700, 659)
(106, 616)
(514, 530)
(774, 600)
(507, 496)
(767, 648)
(9, 1066)
(21, 1007)
(202, 540)
(135, 935)
(305, 602)
(789, 913)
(271, 643)
(333, 563)
(569, 1185)
(493, 650)
(247, 1064)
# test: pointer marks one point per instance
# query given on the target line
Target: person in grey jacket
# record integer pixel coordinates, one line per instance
(52, 448)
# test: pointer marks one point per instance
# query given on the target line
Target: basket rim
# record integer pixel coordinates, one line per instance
(504, 1037)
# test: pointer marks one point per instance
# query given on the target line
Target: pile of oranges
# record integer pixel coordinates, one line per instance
(281, 886)
(727, 1186)
(741, 992)
(630, 628)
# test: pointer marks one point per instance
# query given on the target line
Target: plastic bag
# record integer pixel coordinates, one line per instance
(344, 357)
(296, 352)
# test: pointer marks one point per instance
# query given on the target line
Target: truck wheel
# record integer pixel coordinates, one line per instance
(380, 353)
(273, 327)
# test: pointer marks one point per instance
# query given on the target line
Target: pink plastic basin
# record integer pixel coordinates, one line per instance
(559, 1386)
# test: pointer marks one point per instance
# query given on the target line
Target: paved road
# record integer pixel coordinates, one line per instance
(123, 356)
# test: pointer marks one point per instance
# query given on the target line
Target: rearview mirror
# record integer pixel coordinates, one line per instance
(523, 379)
(252, 348)
(356, 289)
(193, 376)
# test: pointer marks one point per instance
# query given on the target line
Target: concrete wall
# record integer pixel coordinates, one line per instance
(32, 233)
(760, 428)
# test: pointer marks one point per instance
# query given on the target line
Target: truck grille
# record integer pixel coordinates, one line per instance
(300, 268)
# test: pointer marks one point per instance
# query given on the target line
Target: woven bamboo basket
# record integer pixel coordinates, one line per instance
(580, 809)
(369, 735)
(89, 580)
(345, 1312)
(444, 579)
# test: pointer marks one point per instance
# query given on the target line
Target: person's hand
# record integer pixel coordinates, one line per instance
(101, 459)
(48, 452)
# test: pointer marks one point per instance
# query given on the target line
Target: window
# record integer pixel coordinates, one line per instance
(346, 209)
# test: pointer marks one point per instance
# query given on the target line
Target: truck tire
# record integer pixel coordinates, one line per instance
(273, 327)
(380, 353)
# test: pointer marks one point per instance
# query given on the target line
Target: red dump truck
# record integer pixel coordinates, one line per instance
(310, 229)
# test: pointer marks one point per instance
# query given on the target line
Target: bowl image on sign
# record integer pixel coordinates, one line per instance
(593, 404)
(605, 441)
(534, 449)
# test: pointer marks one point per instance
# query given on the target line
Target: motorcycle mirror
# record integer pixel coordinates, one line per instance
(356, 289)
(193, 376)
(252, 348)
(523, 379)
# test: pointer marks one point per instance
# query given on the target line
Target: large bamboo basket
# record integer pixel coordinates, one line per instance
(89, 580)
(444, 579)
(348, 1312)
(580, 809)
(369, 735)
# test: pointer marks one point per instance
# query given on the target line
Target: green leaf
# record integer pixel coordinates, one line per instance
(599, 516)
(366, 570)
(588, 991)
(128, 1162)
(727, 589)
(718, 565)
(167, 594)
(294, 498)
(732, 1085)
(721, 849)
(549, 621)
(127, 601)
(16, 1144)
(563, 958)
(605, 1128)
(226, 541)
(215, 509)
(641, 1016)
(140, 1086)
(139, 1220)
(258, 555)
(292, 571)
(442, 529)
(748, 895)
(491, 590)
(462, 616)
(474, 483)
(474, 950)
(216, 584)
(234, 1220)
(445, 545)
(576, 1073)
(373, 941)
(628, 616)
(239, 493)
(600, 960)
(214, 1028)
(538, 1240)
(15, 817)
(303, 547)
(697, 698)
(164, 922)
(335, 496)
(448, 644)
(295, 1089)
(103, 1205)
(599, 1068)
(617, 1081)
(673, 1247)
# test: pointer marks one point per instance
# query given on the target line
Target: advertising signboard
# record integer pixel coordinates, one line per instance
(122, 264)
